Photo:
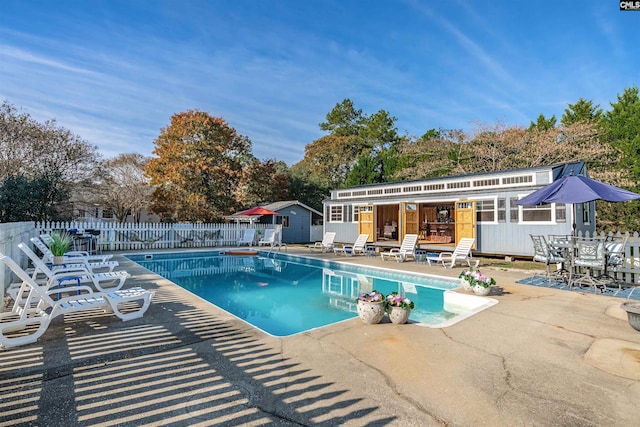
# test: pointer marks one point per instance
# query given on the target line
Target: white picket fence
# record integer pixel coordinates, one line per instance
(123, 237)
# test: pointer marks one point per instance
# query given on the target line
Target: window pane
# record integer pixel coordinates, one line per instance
(561, 212)
(513, 209)
(536, 213)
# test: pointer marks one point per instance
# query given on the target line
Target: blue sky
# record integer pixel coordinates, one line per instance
(115, 71)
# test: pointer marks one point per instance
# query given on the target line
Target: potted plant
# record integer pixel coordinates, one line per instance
(633, 313)
(474, 280)
(60, 244)
(371, 306)
(399, 308)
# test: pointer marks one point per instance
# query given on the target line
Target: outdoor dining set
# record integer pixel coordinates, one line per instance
(582, 261)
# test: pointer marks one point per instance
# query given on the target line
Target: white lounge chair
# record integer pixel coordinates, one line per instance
(407, 249)
(34, 309)
(358, 247)
(270, 239)
(326, 244)
(92, 263)
(462, 253)
(73, 273)
(248, 237)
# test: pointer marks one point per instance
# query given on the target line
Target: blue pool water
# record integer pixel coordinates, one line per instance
(284, 294)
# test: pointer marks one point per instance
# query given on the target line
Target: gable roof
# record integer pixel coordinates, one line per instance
(276, 206)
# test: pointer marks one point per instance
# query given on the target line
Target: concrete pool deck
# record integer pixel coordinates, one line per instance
(540, 357)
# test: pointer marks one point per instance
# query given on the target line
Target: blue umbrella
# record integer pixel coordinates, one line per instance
(577, 189)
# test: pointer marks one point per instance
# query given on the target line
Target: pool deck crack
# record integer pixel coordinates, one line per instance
(392, 385)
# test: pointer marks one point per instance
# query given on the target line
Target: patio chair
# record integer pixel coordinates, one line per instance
(91, 262)
(358, 247)
(248, 237)
(614, 252)
(34, 309)
(543, 251)
(462, 253)
(407, 249)
(589, 257)
(71, 273)
(326, 244)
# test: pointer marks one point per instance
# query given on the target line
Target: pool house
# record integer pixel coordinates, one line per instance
(444, 210)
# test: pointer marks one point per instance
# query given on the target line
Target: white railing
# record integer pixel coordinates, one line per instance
(124, 236)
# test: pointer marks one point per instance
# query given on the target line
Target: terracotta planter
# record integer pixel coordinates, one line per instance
(633, 313)
(399, 315)
(464, 284)
(370, 312)
(481, 290)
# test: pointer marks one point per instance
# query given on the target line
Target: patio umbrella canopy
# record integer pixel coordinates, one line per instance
(577, 189)
(258, 210)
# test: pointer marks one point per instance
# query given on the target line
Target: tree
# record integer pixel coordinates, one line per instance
(25, 199)
(330, 158)
(343, 119)
(542, 123)
(622, 130)
(437, 153)
(354, 137)
(198, 167)
(581, 111)
(126, 188)
(303, 187)
(263, 182)
(61, 161)
(499, 147)
(365, 171)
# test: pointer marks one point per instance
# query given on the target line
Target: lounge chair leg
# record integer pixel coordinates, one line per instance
(128, 296)
(8, 342)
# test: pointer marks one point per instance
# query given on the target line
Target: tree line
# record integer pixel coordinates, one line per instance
(202, 169)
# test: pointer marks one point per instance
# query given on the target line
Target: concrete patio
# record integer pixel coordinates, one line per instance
(540, 357)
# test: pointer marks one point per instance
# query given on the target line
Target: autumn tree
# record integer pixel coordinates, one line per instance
(199, 165)
(355, 138)
(262, 182)
(501, 147)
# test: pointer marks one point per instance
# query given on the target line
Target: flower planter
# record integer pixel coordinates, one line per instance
(633, 313)
(481, 290)
(399, 315)
(464, 284)
(58, 260)
(371, 312)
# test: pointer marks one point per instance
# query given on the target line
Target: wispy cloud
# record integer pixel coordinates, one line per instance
(118, 71)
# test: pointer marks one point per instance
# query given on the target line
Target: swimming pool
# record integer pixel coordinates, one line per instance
(285, 294)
